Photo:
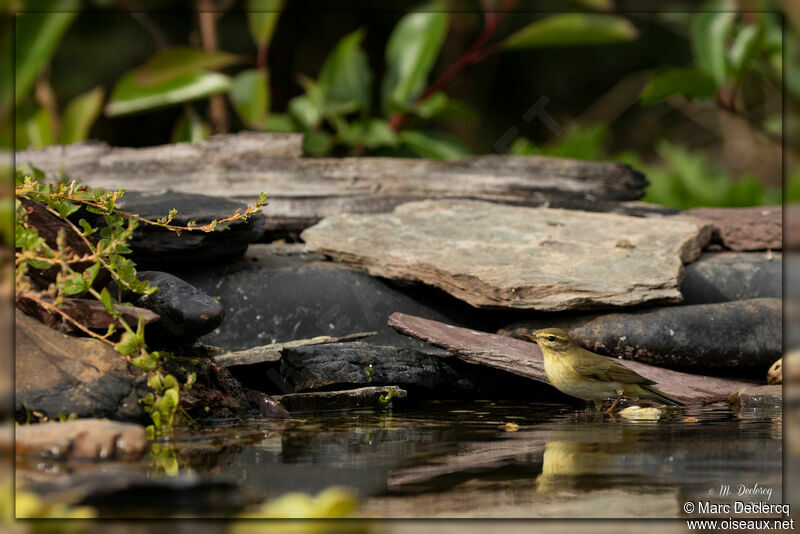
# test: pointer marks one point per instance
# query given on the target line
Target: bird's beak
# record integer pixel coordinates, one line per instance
(532, 337)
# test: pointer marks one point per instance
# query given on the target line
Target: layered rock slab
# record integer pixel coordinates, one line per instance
(498, 256)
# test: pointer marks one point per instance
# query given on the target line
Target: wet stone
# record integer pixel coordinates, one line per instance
(350, 399)
(742, 336)
(757, 397)
(185, 312)
(58, 374)
(280, 293)
(84, 439)
(726, 276)
(155, 247)
(351, 365)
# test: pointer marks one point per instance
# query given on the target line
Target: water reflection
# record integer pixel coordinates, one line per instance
(444, 460)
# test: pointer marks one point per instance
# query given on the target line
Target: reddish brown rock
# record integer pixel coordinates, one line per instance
(85, 439)
(525, 359)
(758, 228)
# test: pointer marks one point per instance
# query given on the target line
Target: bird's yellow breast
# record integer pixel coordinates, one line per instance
(564, 377)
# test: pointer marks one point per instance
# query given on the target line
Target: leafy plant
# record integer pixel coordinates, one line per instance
(34, 253)
(726, 47)
(336, 111)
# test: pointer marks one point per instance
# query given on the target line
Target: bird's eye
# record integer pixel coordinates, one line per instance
(551, 338)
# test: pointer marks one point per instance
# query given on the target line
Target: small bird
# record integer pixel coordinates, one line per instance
(589, 376)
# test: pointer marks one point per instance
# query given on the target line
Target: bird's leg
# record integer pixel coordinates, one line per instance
(616, 401)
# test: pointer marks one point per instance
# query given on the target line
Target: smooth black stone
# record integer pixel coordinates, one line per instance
(351, 365)
(155, 247)
(738, 338)
(727, 276)
(280, 293)
(185, 312)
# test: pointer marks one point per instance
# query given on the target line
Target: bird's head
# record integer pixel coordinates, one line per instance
(554, 339)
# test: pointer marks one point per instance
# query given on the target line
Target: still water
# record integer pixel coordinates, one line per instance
(445, 459)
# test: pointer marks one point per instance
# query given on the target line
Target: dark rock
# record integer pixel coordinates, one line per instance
(84, 439)
(350, 399)
(352, 365)
(757, 397)
(280, 293)
(185, 312)
(58, 374)
(265, 405)
(155, 247)
(742, 336)
(525, 359)
(757, 228)
(725, 276)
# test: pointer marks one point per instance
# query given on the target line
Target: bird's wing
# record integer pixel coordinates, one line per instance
(596, 367)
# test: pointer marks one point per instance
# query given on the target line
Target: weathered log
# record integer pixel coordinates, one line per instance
(305, 190)
(525, 359)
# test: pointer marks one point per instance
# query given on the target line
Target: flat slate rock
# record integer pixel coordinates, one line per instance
(498, 256)
(156, 247)
(84, 439)
(757, 228)
(725, 276)
(349, 399)
(525, 358)
(742, 336)
(278, 293)
(58, 374)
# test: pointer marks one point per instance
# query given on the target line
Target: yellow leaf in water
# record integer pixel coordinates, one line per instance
(511, 427)
(637, 413)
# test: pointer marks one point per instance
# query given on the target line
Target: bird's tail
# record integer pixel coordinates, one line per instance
(660, 396)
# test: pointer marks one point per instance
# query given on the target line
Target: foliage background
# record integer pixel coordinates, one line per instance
(699, 149)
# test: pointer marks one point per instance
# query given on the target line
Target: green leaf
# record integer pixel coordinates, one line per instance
(129, 343)
(411, 52)
(281, 122)
(305, 111)
(37, 35)
(431, 106)
(79, 115)
(689, 82)
(129, 97)
(710, 32)
(317, 143)
(744, 48)
(368, 132)
(190, 128)
(572, 29)
(250, 97)
(91, 273)
(262, 17)
(345, 78)
(179, 61)
(433, 145)
(107, 301)
(75, 284)
(36, 131)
